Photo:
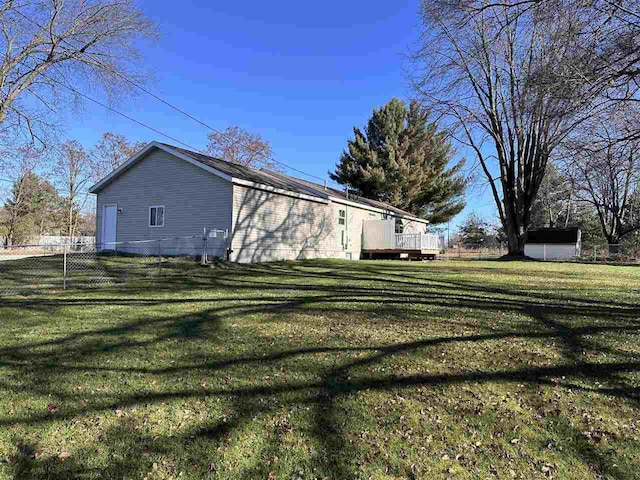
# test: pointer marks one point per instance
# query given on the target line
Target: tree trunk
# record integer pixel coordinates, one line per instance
(614, 245)
(70, 229)
(515, 242)
(514, 222)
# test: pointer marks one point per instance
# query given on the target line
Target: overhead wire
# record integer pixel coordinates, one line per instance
(167, 103)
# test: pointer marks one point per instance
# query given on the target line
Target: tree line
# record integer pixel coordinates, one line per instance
(49, 190)
(531, 83)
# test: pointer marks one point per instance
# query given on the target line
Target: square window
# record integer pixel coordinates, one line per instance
(156, 216)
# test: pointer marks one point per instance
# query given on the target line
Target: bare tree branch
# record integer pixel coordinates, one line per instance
(237, 145)
(90, 44)
(501, 70)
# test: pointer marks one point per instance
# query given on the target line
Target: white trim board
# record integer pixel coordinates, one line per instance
(279, 191)
(377, 210)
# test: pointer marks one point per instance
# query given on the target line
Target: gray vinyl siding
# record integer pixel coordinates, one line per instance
(269, 226)
(355, 218)
(193, 199)
(264, 226)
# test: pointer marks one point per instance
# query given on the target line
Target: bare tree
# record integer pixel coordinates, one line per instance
(494, 72)
(555, 203)
(50, 45)
(607, 57)
(237, 145)
(607, 173)
(73, 176)
(110, 152)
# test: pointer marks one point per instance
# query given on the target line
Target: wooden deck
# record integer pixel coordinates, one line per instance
(381, 241)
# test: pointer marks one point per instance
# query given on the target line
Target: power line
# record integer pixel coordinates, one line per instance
(78, 92)
(104, 105)
(142, 124)
(195, 119)
(170, 105)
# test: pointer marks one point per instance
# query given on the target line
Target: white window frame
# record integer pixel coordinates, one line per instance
(164, 216)
(342, 216)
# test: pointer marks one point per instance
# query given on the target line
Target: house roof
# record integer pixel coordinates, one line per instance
(278, 182)
(334, 193)
(242, 172)
(553, 236)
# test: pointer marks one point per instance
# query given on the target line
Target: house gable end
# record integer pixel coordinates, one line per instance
(142, 154)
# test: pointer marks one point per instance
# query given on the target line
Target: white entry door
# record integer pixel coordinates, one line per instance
(109, 223)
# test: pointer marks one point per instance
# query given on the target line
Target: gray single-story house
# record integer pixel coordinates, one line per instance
(165, 191)
(553, 243)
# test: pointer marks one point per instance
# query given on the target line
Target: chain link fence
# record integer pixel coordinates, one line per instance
(26, 269)
(473, 252)
(600, 253)
(611, 253)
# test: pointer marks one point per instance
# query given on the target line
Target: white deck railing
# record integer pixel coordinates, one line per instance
(407, 241)
(431, 242)
(379, 235)
(416, 241)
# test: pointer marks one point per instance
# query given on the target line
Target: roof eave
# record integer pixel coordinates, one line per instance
(376, 209)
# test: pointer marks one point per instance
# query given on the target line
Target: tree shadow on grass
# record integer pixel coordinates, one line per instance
(332, 371)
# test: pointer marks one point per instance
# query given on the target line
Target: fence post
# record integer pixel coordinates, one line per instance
(159, 257)
(595, 253)
(203, 257)
(544, 251)
(64, 268)
(227, 245)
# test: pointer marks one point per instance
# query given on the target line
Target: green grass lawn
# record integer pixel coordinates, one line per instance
(327, 369)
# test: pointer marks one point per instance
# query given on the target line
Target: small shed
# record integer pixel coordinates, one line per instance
(553, 243)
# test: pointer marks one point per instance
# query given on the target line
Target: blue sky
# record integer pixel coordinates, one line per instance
(299, 74)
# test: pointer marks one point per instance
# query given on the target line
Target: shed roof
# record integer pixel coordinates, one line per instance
(553, 235)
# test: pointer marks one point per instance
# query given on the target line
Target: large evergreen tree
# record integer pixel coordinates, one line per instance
(402, 159)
